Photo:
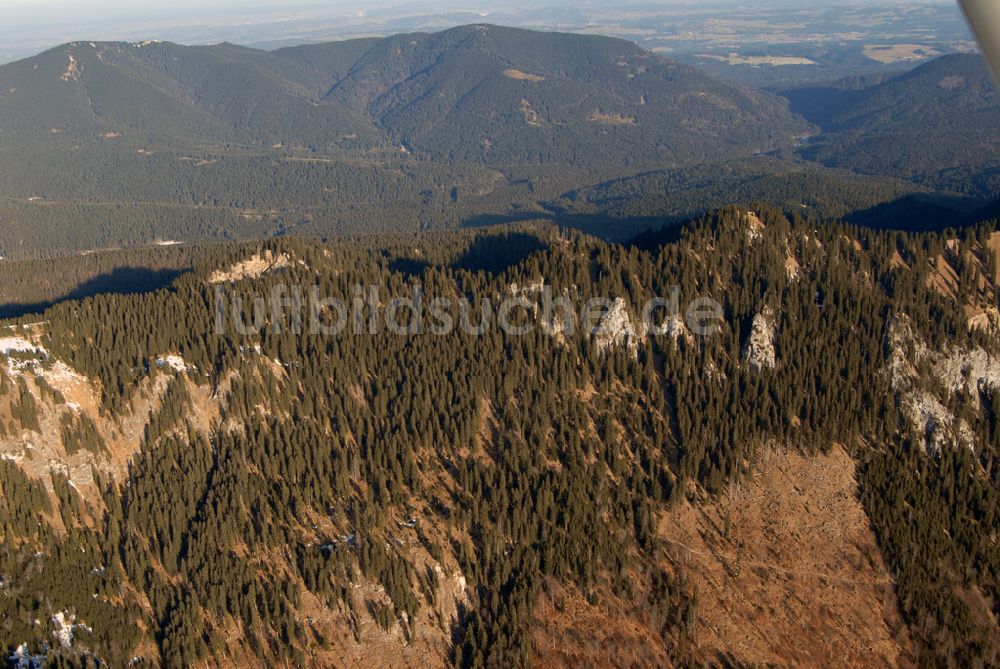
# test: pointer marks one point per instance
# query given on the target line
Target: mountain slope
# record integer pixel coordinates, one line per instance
(259, 495)
(170, 93)
(951, 92)
(940, 116)
(681, 193)
(500, 95)
(479, 93)
(72, 93)
(120, 144)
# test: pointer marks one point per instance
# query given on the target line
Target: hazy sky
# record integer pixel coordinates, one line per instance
(28, 27)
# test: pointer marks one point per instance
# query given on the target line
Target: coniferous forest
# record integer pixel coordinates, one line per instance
(296, 495)
(701, 374)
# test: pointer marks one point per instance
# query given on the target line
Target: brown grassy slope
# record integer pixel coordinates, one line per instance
(787, 570)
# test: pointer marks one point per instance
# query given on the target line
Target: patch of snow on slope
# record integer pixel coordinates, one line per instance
(174, 362)
(21, 658)
(10, 345)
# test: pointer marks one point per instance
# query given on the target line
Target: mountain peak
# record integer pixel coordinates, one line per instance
(478, 93)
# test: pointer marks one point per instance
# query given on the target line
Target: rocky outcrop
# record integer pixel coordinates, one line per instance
(754, 226)
(759, 352)
(253, 267)
(959, 370)
(967, 371)
(793, 270)
(616, 330)
(675, 328)
(983, 319)
(174, 362)
(935, 423)
(955, 371)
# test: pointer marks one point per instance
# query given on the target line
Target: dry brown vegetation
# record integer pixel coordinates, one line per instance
(787, 570)
(611, 119)
(522, 76)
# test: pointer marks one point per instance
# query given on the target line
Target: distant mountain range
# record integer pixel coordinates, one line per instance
(479, 93)
(123, 144)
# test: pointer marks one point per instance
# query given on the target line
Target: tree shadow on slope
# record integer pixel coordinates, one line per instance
(119, 281)
(611, 228)
(495, 253)
(409, 267)
(489, 251)
(915, 213)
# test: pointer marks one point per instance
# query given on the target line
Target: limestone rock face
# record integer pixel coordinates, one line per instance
(759, 351)
(971, 371)
(676, 329)
(616, 329)
(754, 226)
(935, 423)
(952, 371)
(253, 267)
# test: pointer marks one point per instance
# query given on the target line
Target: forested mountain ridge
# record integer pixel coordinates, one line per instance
(938, 124)
(945, 92)
(155, 141)
(479, 93)
(111, 145)
(463, 500)
(814, 483)
(497, 95)
(164, 93)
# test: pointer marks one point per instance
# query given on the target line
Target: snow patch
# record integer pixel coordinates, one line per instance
(174, 362)
(10, 345)
(60, 374)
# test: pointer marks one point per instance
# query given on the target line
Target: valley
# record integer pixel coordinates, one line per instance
(153, 141)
